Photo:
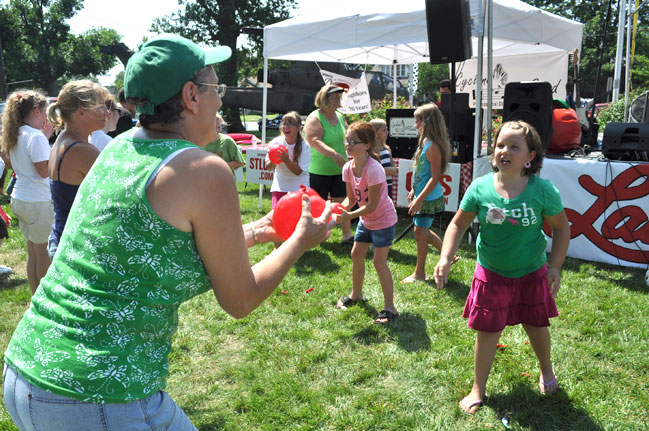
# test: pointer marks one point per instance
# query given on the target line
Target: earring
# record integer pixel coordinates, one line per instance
(527, 165)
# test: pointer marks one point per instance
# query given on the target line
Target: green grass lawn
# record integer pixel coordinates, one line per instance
(297, 363)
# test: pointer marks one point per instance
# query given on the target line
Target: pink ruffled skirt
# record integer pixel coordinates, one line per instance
(496, 301)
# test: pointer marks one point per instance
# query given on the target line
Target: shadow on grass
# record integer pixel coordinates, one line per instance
(315, 261)
(402, 258)
(337, 248)
(628, 278)
(212, 422)
(530, 410)
(459, 291)
(408, 329)
(12, 282)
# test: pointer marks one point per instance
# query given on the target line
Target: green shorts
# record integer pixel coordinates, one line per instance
(424, 218)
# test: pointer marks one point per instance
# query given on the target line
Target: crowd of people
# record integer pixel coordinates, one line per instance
(120, 231)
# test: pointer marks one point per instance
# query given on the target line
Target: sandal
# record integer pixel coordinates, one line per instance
(349, 241)
(346, 301)
(548, 388)
(387, 315)
(466, 409)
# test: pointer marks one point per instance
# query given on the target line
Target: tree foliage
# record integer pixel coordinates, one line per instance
(221, 22)
(428, 80)
(593, 15)
(38, 46)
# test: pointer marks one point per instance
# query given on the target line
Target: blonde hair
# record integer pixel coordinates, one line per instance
(81, 94)
(19, 106)
(378, 124)
(220, 118)
(109, 101)
(366, 134)
(321, 100)
(531, 138)
(433, 127)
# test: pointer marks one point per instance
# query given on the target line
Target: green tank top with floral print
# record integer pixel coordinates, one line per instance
(99, 327)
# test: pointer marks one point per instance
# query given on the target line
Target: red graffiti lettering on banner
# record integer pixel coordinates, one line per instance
(409, 181)
(444, 181)
(628, 223)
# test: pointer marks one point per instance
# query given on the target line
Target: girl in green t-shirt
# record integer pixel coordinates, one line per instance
(512, 283)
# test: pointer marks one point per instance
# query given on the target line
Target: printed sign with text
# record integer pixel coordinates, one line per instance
(256, 172)
(450, 182)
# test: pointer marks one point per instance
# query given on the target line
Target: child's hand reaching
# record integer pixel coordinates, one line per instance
(442, 269)
(554, 280)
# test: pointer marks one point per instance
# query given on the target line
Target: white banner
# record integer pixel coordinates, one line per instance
(551, 67)
(356, 98)
(450, 181)
(607, 206)
(256, 172)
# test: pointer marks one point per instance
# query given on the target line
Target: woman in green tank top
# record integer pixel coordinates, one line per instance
(156, 221)
(325, 133)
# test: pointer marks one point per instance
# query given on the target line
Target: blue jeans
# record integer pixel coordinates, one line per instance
(32, 408)
(378, 238)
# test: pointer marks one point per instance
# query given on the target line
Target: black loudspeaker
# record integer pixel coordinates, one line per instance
(463, 126)
(530, 102)
(626, 141)
(449, 30)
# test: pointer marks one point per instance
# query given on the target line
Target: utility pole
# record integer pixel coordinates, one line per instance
(3, 79)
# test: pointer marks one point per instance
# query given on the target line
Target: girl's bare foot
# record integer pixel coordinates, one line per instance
(412, 279)
(470, 405)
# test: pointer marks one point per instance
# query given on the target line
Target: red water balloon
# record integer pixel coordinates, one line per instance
(289, 209)
(275, 153)
(337, 208)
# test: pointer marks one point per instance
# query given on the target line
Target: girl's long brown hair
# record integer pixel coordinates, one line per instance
(433, 127)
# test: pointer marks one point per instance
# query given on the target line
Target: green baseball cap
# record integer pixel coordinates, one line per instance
(161, 66)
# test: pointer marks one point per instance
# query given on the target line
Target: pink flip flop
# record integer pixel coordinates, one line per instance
(468, 408)
(545, 388)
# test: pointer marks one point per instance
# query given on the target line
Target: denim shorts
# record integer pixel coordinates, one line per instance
(32, 408)
(378, 238)
(52, 246)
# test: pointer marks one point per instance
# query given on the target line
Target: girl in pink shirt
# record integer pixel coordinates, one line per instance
(366, 185)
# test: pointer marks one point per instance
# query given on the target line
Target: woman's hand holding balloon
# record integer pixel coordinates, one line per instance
(311, 231)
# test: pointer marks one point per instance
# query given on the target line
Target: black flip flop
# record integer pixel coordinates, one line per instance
(385, 314)
(346, 301)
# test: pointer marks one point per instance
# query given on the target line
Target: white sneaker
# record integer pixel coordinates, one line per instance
(5, 271)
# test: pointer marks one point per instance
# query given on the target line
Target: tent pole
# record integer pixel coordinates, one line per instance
(490, 49)
(627, 84)
(263, 115)
(618, 53)
(394, 77)
(477, 130)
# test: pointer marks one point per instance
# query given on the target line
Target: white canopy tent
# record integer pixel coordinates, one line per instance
(398, 35)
